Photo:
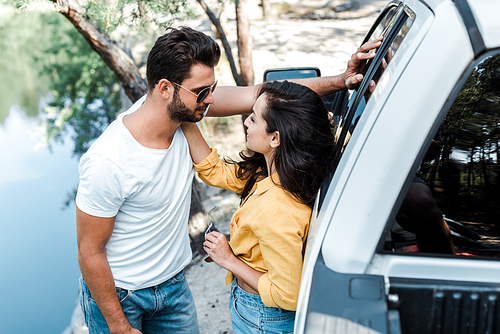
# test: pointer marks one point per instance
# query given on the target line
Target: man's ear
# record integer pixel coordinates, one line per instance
(275, 139)
(165, 88)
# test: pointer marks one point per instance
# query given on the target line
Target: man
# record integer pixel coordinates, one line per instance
(135, 184)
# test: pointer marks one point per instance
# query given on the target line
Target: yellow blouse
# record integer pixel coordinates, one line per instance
(268, 231)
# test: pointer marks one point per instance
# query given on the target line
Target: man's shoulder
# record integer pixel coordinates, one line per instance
(111, 137)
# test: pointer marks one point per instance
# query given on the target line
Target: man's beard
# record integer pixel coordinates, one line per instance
(180, 113)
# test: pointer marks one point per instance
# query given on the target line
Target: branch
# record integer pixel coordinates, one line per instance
(227, 48)
(116, 59)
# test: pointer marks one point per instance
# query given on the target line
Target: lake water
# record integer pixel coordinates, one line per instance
(38, 252)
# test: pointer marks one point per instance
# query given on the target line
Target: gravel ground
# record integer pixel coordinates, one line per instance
(279, 42)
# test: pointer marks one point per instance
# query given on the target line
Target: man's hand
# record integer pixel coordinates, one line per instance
(93, 233)
(355, 66)
(127, 330)
(132, 331)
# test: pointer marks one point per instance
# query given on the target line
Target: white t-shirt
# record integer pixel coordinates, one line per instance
(149, 191)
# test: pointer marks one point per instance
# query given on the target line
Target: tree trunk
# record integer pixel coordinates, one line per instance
(244, 43)
(227, 47)
(471, 166)
(497, 152)
(116, 59)
(135, 87)
(245, 48)
(266, 9)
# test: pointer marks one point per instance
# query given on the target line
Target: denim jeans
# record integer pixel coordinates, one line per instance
(249, 315)
(164, 308)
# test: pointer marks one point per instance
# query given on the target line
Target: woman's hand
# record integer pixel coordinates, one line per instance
(220, 252)
(218, 249)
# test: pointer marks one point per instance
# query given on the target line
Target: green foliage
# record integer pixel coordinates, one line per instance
(86, 92)
(21, 84)
(134, 14)
(468, 173)
(472, 121)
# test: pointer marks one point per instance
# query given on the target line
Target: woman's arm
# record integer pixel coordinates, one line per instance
(210, 168)
(218, 249)
(198, 147)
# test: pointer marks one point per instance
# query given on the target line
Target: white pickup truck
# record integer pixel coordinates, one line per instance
(437, 78)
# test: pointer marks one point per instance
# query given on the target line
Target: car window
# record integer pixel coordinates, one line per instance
(393, 24)
(453, 200)
(385, 21)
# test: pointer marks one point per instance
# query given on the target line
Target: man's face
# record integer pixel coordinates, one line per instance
(183, 107)
(179, 112)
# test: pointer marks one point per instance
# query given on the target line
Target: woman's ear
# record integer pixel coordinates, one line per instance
(275, 139)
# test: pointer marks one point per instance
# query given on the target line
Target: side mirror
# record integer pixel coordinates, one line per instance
(291, 73)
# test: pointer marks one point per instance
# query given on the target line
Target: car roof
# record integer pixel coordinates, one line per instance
(486, 14)
(485, 17)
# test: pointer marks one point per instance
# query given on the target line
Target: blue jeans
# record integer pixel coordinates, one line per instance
(164, 308)
(249, 315)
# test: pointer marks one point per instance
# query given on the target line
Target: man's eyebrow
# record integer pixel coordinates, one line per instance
(202, 87)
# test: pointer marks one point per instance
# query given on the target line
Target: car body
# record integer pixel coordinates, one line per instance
(352, 281)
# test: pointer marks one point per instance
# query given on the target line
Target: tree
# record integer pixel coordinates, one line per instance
(225, 43)
(90, 101)
(266, 9)
(246, 75)
(21, 85)
(469, 167)
(87, 94)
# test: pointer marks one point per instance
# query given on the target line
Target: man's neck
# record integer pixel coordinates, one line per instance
(151, 126)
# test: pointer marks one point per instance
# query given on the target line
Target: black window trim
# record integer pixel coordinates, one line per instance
(475, 37)
(391, 36)
(389, 6)
(377, 60)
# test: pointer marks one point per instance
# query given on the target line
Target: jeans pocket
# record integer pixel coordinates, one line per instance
(179, 278)
(278, 321)
(81, 295)
(123, 294)
(244, 314)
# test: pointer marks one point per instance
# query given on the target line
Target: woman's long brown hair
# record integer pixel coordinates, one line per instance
(305, 156)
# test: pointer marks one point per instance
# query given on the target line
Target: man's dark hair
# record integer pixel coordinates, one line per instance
(176, 52)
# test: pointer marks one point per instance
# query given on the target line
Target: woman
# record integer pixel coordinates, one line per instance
(291, 149)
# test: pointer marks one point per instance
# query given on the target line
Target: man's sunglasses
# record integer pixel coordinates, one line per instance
(202, 95)
(210, 227)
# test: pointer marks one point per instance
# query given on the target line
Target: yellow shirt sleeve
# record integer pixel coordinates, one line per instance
(282, 233)
(217, 173)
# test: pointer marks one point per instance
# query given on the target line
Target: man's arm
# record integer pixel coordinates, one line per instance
(93, 233)
(240, 100)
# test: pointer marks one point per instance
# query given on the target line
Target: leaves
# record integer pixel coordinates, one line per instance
(86, 92)
(133, 14)
(468, 173)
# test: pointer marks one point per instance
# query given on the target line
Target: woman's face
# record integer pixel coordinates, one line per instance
(258, 140)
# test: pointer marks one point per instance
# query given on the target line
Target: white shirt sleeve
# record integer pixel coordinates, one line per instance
(101, 191)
